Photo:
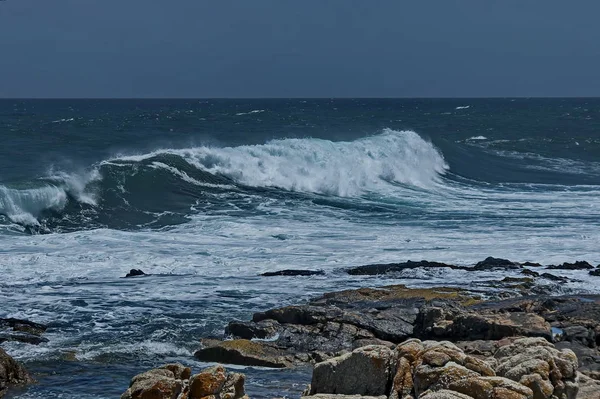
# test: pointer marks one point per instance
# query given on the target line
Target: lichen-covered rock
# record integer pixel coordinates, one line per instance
(537, 364)
(243, 352)
(11, 373)
(208, 382)
(366, 371)
(174, 381)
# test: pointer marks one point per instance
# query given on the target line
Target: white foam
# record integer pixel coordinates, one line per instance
(463, 107)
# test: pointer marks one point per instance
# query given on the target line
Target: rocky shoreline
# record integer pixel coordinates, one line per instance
(515, 340)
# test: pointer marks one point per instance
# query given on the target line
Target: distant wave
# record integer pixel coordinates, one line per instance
(463, 107)
(477, 138)
(256, 111)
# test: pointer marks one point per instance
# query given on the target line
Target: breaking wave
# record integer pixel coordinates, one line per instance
(170, 182)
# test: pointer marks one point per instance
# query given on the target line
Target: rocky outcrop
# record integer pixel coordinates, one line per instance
(336, 322)
(526, 368)
(342, 321)
(21, 330)
(175, 381)
(11, 373)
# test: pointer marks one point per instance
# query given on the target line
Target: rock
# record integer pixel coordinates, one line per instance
(537, 364)
(11, 373)
(208, 382)
(366, 371)
(587, 357)
(578, 265)
(250, 330)
(456, 323)
(174, 381)
(588, 387)
(243, 352)
(552, 277)
(491, 387)
(491, 263)
(521, 368)
(292, 272)
(333, 396)
(531, 264)
(439, 364)
(154, 384)
(135, 273)
(339, 321)
(595, 272)
(444, 394)
(530, 273)
(370, 270)
(22, 331)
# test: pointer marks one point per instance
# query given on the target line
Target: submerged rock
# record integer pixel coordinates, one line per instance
(578, 265)
(11, 373)
(21, 330)
(174, 381)
(396, 267)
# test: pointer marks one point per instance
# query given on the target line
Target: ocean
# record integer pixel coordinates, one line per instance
(205, 195)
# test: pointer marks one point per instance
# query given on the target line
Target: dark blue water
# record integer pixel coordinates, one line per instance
(206, 194)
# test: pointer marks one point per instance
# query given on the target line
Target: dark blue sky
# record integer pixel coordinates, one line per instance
(309, 48)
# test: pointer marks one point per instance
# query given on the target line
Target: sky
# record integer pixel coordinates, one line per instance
(308, 48)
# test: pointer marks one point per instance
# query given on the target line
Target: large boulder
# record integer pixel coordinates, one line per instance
(11, 373)
(366, 371)
(537, 364)
(174, 381)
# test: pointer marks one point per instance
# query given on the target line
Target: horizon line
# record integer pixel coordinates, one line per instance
(302, 98)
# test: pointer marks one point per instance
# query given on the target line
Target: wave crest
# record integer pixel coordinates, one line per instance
(321, 166)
